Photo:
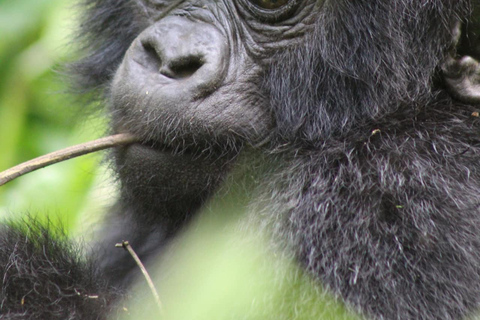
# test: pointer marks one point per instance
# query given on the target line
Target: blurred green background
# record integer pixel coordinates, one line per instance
(38, 116)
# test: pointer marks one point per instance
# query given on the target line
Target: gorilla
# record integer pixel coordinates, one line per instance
(360, 122)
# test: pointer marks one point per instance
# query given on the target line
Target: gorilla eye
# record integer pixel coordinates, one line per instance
(270, 10)
(270, 4)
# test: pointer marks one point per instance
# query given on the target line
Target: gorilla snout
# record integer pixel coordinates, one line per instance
(181, 54)
(176, 86)
(172, 68)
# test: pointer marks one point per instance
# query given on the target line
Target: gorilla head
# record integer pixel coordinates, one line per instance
(365, 111)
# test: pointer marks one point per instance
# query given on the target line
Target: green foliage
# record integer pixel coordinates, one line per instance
(219, 270)
(37, 116)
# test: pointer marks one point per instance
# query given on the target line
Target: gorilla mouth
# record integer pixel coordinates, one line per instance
(164, 147)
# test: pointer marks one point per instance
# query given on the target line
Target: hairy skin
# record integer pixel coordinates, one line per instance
(364, 110)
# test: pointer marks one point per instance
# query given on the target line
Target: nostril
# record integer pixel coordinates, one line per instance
(183, 67)
(152, 59)
(175, 67)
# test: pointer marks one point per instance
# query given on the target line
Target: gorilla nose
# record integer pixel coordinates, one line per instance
(181, 49)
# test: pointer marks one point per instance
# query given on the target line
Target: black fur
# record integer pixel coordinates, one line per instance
(375, 186)
(45, 277)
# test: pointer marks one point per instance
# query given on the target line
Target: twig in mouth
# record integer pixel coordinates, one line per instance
(65, 154)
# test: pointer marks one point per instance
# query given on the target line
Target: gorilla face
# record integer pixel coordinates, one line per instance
(191, 86)
(177, 81)
(193, 78)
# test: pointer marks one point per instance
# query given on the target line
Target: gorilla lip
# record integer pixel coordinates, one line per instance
(66, 154)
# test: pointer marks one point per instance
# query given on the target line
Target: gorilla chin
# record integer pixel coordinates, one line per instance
(167, 175)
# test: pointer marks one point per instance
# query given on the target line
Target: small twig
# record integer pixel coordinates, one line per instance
(124, 244)
(65, 154)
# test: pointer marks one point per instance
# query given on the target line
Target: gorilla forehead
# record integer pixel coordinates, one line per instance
(241, 21)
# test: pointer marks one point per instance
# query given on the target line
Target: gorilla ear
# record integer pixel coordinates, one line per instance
(461, 70)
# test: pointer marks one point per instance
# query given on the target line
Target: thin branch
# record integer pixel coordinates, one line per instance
(124, 244)
(65, 154)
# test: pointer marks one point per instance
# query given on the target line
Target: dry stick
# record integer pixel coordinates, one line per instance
(124, 244)
(65, 154)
